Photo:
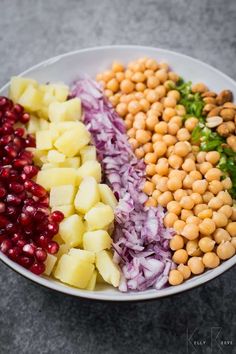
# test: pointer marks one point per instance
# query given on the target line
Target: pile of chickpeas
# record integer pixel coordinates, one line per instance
(179, 176)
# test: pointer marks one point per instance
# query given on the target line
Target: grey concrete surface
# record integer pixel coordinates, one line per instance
(37, 320)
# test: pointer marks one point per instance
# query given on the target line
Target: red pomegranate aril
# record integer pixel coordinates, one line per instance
(18, 143)
(10, 150)
(21, 243)
(44, 201)
(30, 141)
(5, 246)
(30, 171)
(7, 128)
(6, 139)
(3, 221)
(37, 268)
(17, 108)
(43, 241)
(25, 118)
(3, 101)
(11, 116)
(57, 216)
(23, 177)
(20, 163)
(12, 211)
(29, 230)
(2, 207)
(25, 261)
(24, 219)
(39, 216)
(29, 249)
(16, 187)
(14, 253)
(5, 172)
(53, 228)
(40, 254)
(53, 247)
(12, 227)
(17, 236)
(6, 160)
(12, 199)
(20, 132)
(38, 190)
(28, 184)
(3, 192)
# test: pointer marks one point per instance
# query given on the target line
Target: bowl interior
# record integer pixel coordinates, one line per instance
(67, 68)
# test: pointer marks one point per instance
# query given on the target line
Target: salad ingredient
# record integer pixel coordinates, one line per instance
(175, 277)
(99, 217)
(88, 153)
(65, 111)
(225, 250)
(96, 240)
(107, 197)
(210, 260)
(196, 265)
(107, 268)
(89, 168)
(62, 195)
(55, 177)
(85, 255)
(72, 229)
(87, 195)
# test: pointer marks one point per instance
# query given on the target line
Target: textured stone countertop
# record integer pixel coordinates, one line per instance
(37, 320)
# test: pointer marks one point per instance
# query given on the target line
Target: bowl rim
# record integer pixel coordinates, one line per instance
(130, 296)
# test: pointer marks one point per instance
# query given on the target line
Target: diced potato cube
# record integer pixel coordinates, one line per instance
(99, 217)
(61, 92)
(69, 110)
(37, 155)
(44, 140)
(50, 263)
(62, 195)
(58, 238)
(89, 168)
(62, 127)
(107, 268)
(71, 162)
(72, 229)
(54, 156)
(42, 113)
(100, 279)
(63, 249)
(67, 210)
(71, 141)
(54, 177)
(33, 125)
(74, 271)
(96, 241)
(87, 256)
(48, 165)
(18, 85)
(31, 98)
(44, 125)
(48, 98)
(92, 282)
(88, 153)
(87, 195)
(107, 196)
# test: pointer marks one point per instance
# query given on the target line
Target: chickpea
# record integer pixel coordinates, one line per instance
(207, 197)
(174, 184)
(192, 219)
(193, 249)
(145, 105)
(213, 174)
(197, 198)
(148, 188)
(176, 243)
(180, 256)
(191, 231)
(134, 107)
(233, 216)
(225, 197)
(188, 165)
(169, 84)
(231, 228)
(162, 169)
(227, 183)
(196, 265)
(215, 203)
(162, 184)
(121, 109)
(143, 136)
(131, 133)
(191, 123)
(168, 113)
(177, 120)
(169, 139)
(191, 156)
(139, 124)
(226, 210)
(139, 95)
(150, 169)
(151, 64)
(179, 174)
(207, 213)
(205, 167)
(138, 77)
(162, 75)
(221, 235)
(173, 76)
(169, 102)
(188, 182)
(201, 157)
(114, 100)
(219, 219)
(233, 241)
(157, 107)
(179, 194)
(213, 157)
(173, 128)
(179, 226)
(151, 122)
(147, 148)
(199, 87)
(207, 227)
(148, 73)
(120, 76)
(183, 134)
(175, 94)
(113, 85)
(139, 153)
(151, 202)
(165, 198)
(127, 86)
(182, 148)
(138, 66)
(210, 260)
(133, 142)
(157, 137)
(108, 75)
(199, 207)
(184, 270)
(174, 207)
(175, 161)
(186, 202)
(225, 250)
(140, 87)
(200, 186)
(161, 128)
(170, 219)
(152, 96)
(180, 110)
(152, 82)
(128, 123)
(150, 157)
(156, 194)
(206, 244)
(215, 187)
(161, 91)
(160, 148)
(175, 277)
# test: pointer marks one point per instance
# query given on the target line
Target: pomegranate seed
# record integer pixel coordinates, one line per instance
(24, 219)
(6, 160)
(44, 201)
(53, 247)
(43, 241)
(2, 207)
(12, 199)
(12, 211)
(40, 254)
(20, 132)
(11, 227)
(29, 230)
(19, 163)
(5, 172)
(16, 237)
(3, 221)
(3, 101)
(23, 177)
(14, 253)
(57, 216)
(11, 152)
(29, 249)
(37, 268)
(3, 192)
(11, 116)
(38, 190)
(5, 246)
(39, 215)
(30, 141)
(18, 143)
(17, 108)
(5, 140)
(21, 243)
(7, 128)
(16, 187)
(53, 228)
(30, 171)
(25, 261)
(25, 118)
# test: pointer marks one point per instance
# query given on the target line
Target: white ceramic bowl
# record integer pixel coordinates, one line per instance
(68, 67)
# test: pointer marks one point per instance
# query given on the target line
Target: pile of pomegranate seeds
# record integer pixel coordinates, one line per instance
(26, 225)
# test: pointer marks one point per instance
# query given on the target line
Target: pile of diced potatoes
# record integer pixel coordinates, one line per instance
(72, 175)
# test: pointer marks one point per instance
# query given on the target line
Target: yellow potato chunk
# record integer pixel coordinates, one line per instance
(71, 230)
(34, 125)
(18, 85)
(67, 210)
(62, 127)
(71, 162)
(48, 165)
(96, 240)
(44, 125)
(107, 196)
(92, 282)
(50, 263)
(88, 153)
(71, 141)
(62, 195)
(87, 256)
(99, 217)
(54, 156)
(44, 140)
(109, 271)
(87, 195)
(66, 111)
(37, 155)
(63, 249)
(31, 98)
(54, 177)
(74, 271)
(61, 92)
(89, 168)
